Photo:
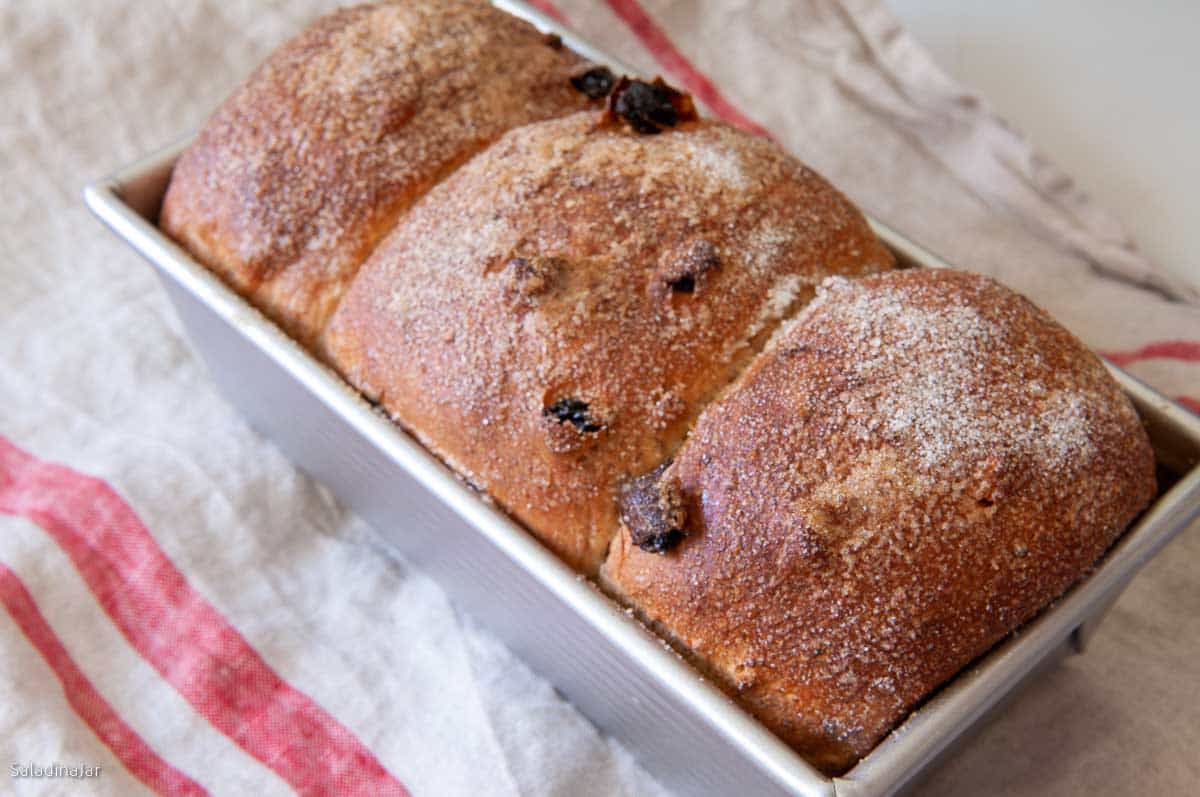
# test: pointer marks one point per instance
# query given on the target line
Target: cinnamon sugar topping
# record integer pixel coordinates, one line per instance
(976, 399)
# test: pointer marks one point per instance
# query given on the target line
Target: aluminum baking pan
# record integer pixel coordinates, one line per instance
(683, 730)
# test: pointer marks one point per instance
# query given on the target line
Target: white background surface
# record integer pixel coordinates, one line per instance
(1108, 90)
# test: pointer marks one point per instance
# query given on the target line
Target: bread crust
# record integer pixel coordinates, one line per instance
(551, 318)
(914, 468)
(299, 174)
(911, 470)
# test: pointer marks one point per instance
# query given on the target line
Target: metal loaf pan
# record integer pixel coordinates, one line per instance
(683, 729)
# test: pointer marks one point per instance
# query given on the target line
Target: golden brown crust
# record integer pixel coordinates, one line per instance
(914, 468)
(550, 319)
(298, 175)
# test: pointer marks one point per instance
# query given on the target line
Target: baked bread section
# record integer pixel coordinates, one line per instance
(550, 319)
(915, 467)
(303, 169)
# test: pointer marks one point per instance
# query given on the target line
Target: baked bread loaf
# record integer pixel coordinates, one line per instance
(550, 319)
(914, 468)
(303, 169)
(574, 319)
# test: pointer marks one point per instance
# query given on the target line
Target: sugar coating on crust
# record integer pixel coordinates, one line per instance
(550, 319)
(939, 412)
(303, 169)
(914, 467)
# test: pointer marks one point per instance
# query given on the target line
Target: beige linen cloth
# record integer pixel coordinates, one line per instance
(95, 374)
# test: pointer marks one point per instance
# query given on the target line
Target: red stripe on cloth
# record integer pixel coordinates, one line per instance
(654, 39)
(1185, 350)
(183, 636)
(132, 751)
(550, 10)
(1189, 403)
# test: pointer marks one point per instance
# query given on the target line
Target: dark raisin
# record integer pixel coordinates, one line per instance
(532, 276)
(660, 542)
(553, 41)
(682, 268)
(986, 502)
(653, 510)
(649, 107)
(595, 83)
(646, 107)
(575, 412)
(685, 284)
